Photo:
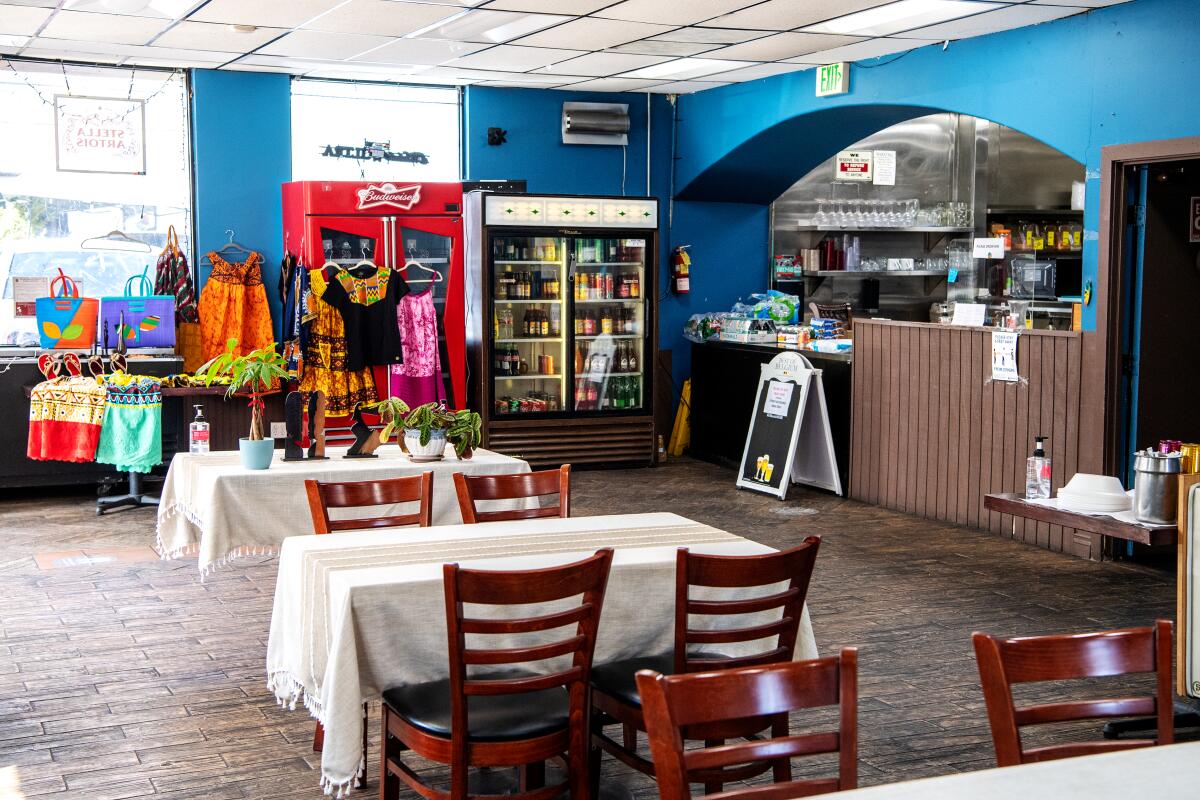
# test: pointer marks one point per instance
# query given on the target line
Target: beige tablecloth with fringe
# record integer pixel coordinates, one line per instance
(211, 505)
(357, 614)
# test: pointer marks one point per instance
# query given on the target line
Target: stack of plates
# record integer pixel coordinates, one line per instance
(1094, 494)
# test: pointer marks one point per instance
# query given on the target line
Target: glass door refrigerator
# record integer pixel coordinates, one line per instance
(561, 334)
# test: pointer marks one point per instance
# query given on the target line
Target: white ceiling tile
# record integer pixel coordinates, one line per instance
(268, 13)
(22, 20)
(490, 27)
(9, 45)
(782, 45)
(262, 68)
(1000, 20)
(170, 63)
(684, 69)
(593, 33)
(37, 3)
(672, 13)
(319, 44)
(615, 85)
(782, 15)
(84, 49)
(214, 36)
(187, 54)
(161, 9)
(601, 65)
(352, 72)
(85, 26)
(657, 47)
(514, 58)
(66, 55)
(382, 17)
(419, 51)
(901, 16)
(535, 79)
(550, 6)
(872, 48)
(761, 71)
(1085, 3)
(684, 87)
(711, 35)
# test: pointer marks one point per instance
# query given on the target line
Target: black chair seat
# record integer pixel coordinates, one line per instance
(490, 718)
(616, 679)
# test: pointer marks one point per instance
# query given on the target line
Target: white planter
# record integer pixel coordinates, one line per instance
(435, 448)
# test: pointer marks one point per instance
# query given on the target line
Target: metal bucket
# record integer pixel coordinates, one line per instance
(1156, 487)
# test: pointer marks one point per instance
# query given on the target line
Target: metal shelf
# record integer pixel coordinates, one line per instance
(531, 339)
(582, 264)
(609, 301)
(528, 377)
(557, 263)
(915, 229)
(611, 336)
(555, 302)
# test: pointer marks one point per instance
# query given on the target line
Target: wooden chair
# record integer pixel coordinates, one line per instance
(505, 715)
(615, 698)
(472, 488)
(680, 707)
(357, 494)
(1003, 662)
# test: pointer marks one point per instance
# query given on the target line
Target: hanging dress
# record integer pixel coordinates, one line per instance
(233, 304)
(419, 379)
(368, 307)
(65, 417)
(173, 277)
(325, 356)
(131, 436)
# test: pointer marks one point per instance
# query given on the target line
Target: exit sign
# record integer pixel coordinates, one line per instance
(833, 79)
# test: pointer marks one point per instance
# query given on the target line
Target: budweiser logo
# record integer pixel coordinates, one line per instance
(389, 194)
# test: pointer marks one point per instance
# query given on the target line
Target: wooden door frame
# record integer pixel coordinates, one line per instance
(1103, 356)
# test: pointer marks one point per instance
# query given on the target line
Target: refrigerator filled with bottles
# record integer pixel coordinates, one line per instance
(561, 325)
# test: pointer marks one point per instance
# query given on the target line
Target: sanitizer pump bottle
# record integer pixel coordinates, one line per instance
(1037, 472)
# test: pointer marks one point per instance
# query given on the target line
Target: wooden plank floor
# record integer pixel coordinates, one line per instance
(131, 678)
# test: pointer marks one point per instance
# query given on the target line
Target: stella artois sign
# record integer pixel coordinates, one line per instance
(100, 134)
(389, 194)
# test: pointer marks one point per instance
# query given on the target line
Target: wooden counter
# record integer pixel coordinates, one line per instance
(932, 434)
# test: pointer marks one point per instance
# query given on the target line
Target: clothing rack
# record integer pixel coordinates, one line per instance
(134, 498)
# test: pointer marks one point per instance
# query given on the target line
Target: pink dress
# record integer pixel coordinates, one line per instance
(419, 379)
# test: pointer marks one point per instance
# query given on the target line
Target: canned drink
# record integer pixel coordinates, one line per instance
(1191, 457)
(514, 405)
(549, 365)
(523, 405)
(1169, 445)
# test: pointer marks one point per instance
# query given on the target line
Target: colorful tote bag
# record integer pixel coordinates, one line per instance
(65, 320)
(149, 319)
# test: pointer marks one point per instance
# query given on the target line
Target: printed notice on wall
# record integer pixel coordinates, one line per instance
(100, 134)
(885, 167)
(779, 398)
(26, 289)
(853, 165)
(1004, 356)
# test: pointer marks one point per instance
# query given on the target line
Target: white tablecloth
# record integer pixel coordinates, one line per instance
(1170, 772)
(355, 615)
(212, 506)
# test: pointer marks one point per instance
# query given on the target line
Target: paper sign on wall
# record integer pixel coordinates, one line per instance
(100, 134)
(1004, 356)
(985, 247)
(1194, 221)
(853, 165)
(885, 167)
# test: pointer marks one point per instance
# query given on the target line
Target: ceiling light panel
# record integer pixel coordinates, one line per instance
(214, 36)
(872, 48)
(671, 13)
(657, 47)
(382, 17)
(489, 27)
(684, 69)
(1002, 19)
(112, 28)
(268, 13)
(901, 16)
(514, 58)
(712, 35)
(419, 51)
(318, 44)
(550, 6)
(593, 33)
(684, 87)
(782, 45)
(601, 65)
(22, 20)
(783, 15)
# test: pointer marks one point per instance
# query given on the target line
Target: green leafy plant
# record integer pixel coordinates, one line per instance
(465, 432)
(427, 419)
(391, 411)
(255, 373)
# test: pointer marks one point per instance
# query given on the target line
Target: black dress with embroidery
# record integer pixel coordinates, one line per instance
(368, 308)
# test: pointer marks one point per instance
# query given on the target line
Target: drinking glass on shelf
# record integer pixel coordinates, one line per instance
(822, 215)
(911, 207)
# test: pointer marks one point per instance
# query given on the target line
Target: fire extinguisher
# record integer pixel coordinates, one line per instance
(680, 262)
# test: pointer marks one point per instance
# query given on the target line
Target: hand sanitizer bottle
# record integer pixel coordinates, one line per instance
(198, 432)
(1037, 472)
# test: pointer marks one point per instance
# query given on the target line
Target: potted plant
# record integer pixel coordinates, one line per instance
(465, 432)
(391, 411)
(254, 373)
(425, 431)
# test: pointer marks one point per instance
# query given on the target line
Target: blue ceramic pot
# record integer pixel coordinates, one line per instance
(256, 454)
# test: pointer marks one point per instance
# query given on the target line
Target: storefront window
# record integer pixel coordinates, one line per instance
(80, 158)
(369, 131)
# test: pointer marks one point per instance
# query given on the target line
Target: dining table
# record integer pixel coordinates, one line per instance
(356, 613)
(215, 508)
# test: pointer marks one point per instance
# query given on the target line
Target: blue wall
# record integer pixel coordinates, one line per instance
(1122, 74)
(242, 152)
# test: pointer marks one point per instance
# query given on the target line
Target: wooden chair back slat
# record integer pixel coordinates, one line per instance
(522, 655)
(673, 703)
(473, 488)
(780, 791)
(1056, 751)
(1004, 662)
(323, 496)
(534, 683)
(546, 622)
(794, 566)
(696, 664)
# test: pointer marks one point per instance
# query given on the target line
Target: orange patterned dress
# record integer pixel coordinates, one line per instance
(325, 356)
(233, 304)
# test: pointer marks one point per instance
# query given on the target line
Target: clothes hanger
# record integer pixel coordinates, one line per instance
(233, 246)
(437, 276)
(119, 240)
(364, 264)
